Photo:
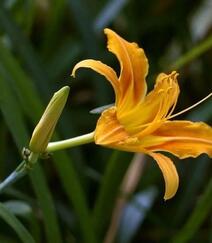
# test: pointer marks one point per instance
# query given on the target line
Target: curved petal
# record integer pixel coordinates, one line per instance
(169, 173)
(109, 132)
(165, 93)
(181, 138)
(134, 68)
(102, 69)
(158, 104)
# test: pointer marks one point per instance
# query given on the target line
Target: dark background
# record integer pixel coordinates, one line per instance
(70, 196)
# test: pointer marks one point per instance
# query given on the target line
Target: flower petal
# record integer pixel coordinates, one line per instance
(169, 173)
(102, 69)
(108, 130)
(148, 116)
(181, 138)
(134, 68)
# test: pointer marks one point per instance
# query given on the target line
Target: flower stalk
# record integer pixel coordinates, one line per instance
(20, 171)
(69, 143)
(39, 142)
(26, 165)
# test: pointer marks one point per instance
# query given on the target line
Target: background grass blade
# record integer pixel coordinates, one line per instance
(110, 184)
(108, 14)
(21, 231)
(84, 23)
(7, 104)
(27, 94)
(201, 211)
(24, 49)
(46, 203)
(40, 42)
(193, 53)
(52, 27)
(76, 195)
(11, 111)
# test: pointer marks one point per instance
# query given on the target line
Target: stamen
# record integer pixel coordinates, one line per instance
(179, 113)
(191, 107)
(174, 105)
(157, 120)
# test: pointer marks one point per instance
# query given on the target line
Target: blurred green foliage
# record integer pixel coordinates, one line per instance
(70, 196)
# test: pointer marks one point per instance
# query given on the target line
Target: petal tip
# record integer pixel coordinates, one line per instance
(167, 197)
(107, 31)
(73, 71)
(170, 174)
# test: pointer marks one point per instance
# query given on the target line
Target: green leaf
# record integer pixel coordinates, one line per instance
(200, 213)
(24, 48)
(27, 94)
(46, 203)
(135, 213)
(14, 119)
(75, 193)
(111, 180)
(24, 209)
(194, 53)
(18, 207)
(85, 26)
(199, 167)
(11, 111)
(3, 147)
(55, 18)
(63, 58)
(20, 81)
(108, 13)
(21, 231)
(86, 30)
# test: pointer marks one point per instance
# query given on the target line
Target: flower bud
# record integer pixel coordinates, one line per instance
(46, 126)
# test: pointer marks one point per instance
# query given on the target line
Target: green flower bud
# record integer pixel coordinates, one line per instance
(46, 126)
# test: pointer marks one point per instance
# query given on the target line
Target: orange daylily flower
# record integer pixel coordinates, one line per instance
(141, 123)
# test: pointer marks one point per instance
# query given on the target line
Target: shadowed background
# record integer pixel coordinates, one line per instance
(72, 195)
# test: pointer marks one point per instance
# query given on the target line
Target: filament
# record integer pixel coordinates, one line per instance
(191, 107)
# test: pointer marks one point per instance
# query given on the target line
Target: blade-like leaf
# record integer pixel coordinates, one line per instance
(18, 207)
(109, 13)
(134, 214)
(193, 53)
(24, 48)
(100, 109)
(111, 180)
(21, 231)
(27, 94)
(14, 119)
(201, 211)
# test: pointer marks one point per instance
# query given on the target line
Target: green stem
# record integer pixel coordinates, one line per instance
(33, 159)
(19, 172)
(13, 177)
(26, 165)
(69, 143)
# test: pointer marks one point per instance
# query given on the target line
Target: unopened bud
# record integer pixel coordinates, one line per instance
(46, 126)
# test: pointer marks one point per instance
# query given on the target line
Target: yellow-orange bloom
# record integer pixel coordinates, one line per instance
(139, 122)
